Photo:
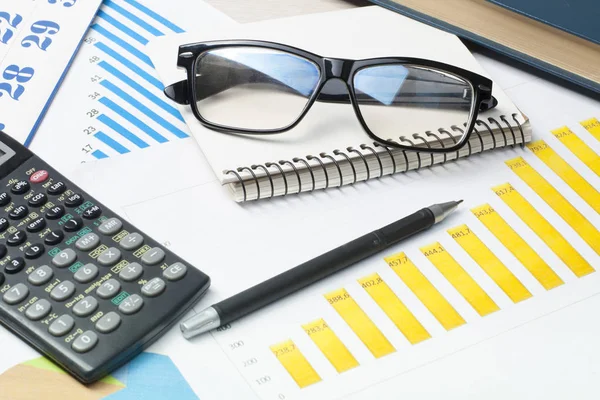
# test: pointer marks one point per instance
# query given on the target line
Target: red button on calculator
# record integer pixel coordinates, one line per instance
(39, 176)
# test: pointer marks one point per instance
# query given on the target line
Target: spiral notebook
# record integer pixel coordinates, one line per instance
(329, 148)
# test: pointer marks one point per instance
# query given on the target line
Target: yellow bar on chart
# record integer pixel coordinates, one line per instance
(578, 147)
(360, 323)
(489, 263)
(460, 279)
(295, 363)
(517, 246)
(330, 345)
(543, 229)
(567, 173)
(557, 201)
(393, 307)
(431, 298)
(592, 125)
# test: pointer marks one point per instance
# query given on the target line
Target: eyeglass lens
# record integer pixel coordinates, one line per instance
(253, 88)
(409, 104)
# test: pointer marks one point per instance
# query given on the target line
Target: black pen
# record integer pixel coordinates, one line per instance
(314, 270)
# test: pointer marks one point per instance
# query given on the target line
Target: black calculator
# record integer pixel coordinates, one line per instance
(77, 282)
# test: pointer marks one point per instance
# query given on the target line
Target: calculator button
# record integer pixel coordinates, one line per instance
(88, 242)
(74, 224)
(108, 322)
(54, 237)
(153, 288)
(63, 291)
(55, 212)
(19, 212)
(108, 289)
(3, 224)
(15, 265)
(85, 342)
(16, 294)
(64, 258)
(1, 278)
(36, 225)
(92, 212)
(3, 250)
(20, 187)
(39, 176)
(175, 272)
(131, 272)
(57, 188)
(153, 256)
(85, 307)
(40, 276)
(37, 200)
(110, 226)
(38, 310)
(131, 304)
(15, 239)
(74, 200)
(86, 274)
(62, 326)
(109, 257)
(4, 199)
(34, 251)
(131, 241)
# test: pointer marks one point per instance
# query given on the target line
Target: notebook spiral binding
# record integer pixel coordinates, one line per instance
(272, 169)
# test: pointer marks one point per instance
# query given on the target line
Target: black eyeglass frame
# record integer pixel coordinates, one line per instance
(184, 92)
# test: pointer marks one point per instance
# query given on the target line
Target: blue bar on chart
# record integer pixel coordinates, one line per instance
(110, 36)
(155, 16)
(140, 89)
(99, 154)
(131, 65)
(107, 140)
(122, 131)
(133, 18)
(122, 27)
(142, 108)
(133, 120)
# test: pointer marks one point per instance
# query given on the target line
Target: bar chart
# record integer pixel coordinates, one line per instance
(508, 262)
(119, 35)
(111, 101)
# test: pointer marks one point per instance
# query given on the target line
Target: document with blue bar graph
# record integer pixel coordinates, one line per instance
(111, 101)
(38, 39)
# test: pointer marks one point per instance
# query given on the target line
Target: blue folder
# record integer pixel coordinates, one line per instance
(581, 18)
(578, 17)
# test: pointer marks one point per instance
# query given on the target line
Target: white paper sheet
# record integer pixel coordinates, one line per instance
(541, 347)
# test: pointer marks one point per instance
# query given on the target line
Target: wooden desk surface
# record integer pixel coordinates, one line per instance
(259, 10)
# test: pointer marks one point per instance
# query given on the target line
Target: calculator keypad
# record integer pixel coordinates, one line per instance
(74, 274)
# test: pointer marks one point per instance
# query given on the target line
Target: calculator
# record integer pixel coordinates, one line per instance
(77, 282)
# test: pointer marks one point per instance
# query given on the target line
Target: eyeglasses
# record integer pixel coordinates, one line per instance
(256, 87)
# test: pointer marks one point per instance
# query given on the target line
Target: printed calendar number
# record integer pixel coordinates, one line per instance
(8, 25)
(42, 30)
(21, 75)
(65, 3)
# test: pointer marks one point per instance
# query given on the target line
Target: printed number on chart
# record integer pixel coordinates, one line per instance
(8, 25)
(42, 30)
(65, 3)
(20, 75)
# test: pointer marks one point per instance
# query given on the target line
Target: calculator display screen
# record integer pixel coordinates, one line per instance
(6, 153)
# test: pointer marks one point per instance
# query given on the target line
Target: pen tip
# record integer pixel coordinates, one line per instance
(459, 201)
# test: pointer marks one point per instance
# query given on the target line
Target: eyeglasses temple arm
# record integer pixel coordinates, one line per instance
(178, 92)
